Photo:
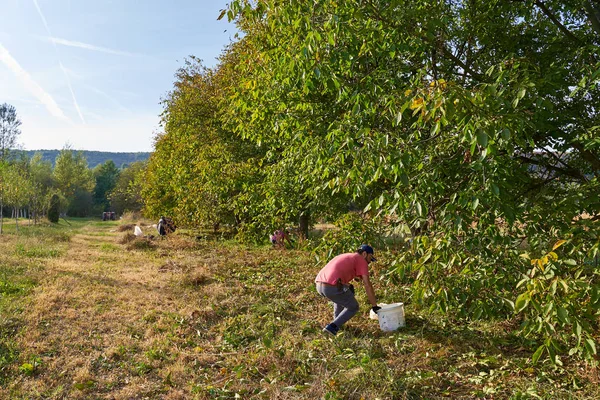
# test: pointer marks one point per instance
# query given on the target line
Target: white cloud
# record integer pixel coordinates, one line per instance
(44, 97)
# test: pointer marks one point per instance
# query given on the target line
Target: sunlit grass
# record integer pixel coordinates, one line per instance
(186, 317)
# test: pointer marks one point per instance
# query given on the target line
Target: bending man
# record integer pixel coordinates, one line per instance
(333, 282)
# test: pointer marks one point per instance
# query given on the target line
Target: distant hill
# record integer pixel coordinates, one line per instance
(94, 157)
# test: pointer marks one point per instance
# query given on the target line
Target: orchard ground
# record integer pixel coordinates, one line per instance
(86, 311)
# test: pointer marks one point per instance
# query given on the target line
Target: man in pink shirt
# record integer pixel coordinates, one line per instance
(333, 282)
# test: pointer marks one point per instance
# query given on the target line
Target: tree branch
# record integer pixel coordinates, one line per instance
(573, 173)
(593, 14)
(589, 157)
(556, 22)
(461, 64)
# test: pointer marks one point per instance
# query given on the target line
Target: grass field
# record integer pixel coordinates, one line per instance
(88, 314)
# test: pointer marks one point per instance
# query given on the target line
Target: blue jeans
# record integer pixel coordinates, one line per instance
(345, 305)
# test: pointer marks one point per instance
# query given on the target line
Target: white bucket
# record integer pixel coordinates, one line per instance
(391, 317)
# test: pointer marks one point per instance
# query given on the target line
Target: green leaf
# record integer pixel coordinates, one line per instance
(522, 302)
(475, 203)
(563, 315)
(404, 179)
(473, 147)
(577, 329)
(419, 209)
(537, 354)
(590, 346)
(482, 138)
(495, 189)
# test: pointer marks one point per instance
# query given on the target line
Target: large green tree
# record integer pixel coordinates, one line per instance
(42, 182)
(106, 176)
(127, 193)
(458, 119)
(17, 189)
(199, 169)
(75, 181)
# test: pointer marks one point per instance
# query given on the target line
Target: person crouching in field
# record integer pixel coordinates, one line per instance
(165, 226)
(279, 237)
(333, 282)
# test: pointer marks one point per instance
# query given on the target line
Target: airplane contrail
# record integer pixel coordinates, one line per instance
(32, 86)
(37, 6)
(108, 97)
(87, 46)
(72, 93)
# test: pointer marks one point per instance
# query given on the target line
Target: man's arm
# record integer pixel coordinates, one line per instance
(369, 290)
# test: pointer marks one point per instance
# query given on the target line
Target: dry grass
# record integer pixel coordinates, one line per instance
(192, 320)
(125, 227)
(126, 238)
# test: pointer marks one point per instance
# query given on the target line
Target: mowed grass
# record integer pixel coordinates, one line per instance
(88, 313)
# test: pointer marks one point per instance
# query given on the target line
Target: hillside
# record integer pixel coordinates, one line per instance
(95, 157)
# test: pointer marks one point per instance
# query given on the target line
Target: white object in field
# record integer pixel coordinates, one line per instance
(137, 231)
(391, 317)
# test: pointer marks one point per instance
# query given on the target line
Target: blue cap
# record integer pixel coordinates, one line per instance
(367, 249)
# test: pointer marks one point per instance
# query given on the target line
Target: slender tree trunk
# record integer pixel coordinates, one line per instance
(304, 221)
(16, 213)
(1, 215)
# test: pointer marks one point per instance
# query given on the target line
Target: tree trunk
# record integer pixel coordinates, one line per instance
(304, 220)
(1, 215)
(16, 213)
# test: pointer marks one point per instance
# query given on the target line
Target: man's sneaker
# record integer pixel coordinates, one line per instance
(332, 329)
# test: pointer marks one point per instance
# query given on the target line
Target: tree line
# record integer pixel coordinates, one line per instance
(470, 126)
(30, 186)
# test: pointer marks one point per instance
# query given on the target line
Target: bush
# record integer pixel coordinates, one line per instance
(53, 210)
(353, 230)
(126, 238)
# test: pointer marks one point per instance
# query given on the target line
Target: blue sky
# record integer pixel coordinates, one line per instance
(91, 73)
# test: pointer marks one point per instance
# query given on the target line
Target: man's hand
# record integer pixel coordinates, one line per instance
(375, 309)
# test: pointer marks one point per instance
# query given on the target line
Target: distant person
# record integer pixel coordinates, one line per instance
(160, 227)
(333, 282)
(165, 226)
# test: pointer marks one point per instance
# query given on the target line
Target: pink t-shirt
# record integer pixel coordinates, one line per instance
(345, 267)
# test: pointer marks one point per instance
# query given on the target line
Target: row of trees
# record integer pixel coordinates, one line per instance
(471, 124)
(27, 185)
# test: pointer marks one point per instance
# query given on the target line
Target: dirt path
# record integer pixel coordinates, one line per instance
(92, 322)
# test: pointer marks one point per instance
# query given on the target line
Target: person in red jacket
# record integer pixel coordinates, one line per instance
(333, 282)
